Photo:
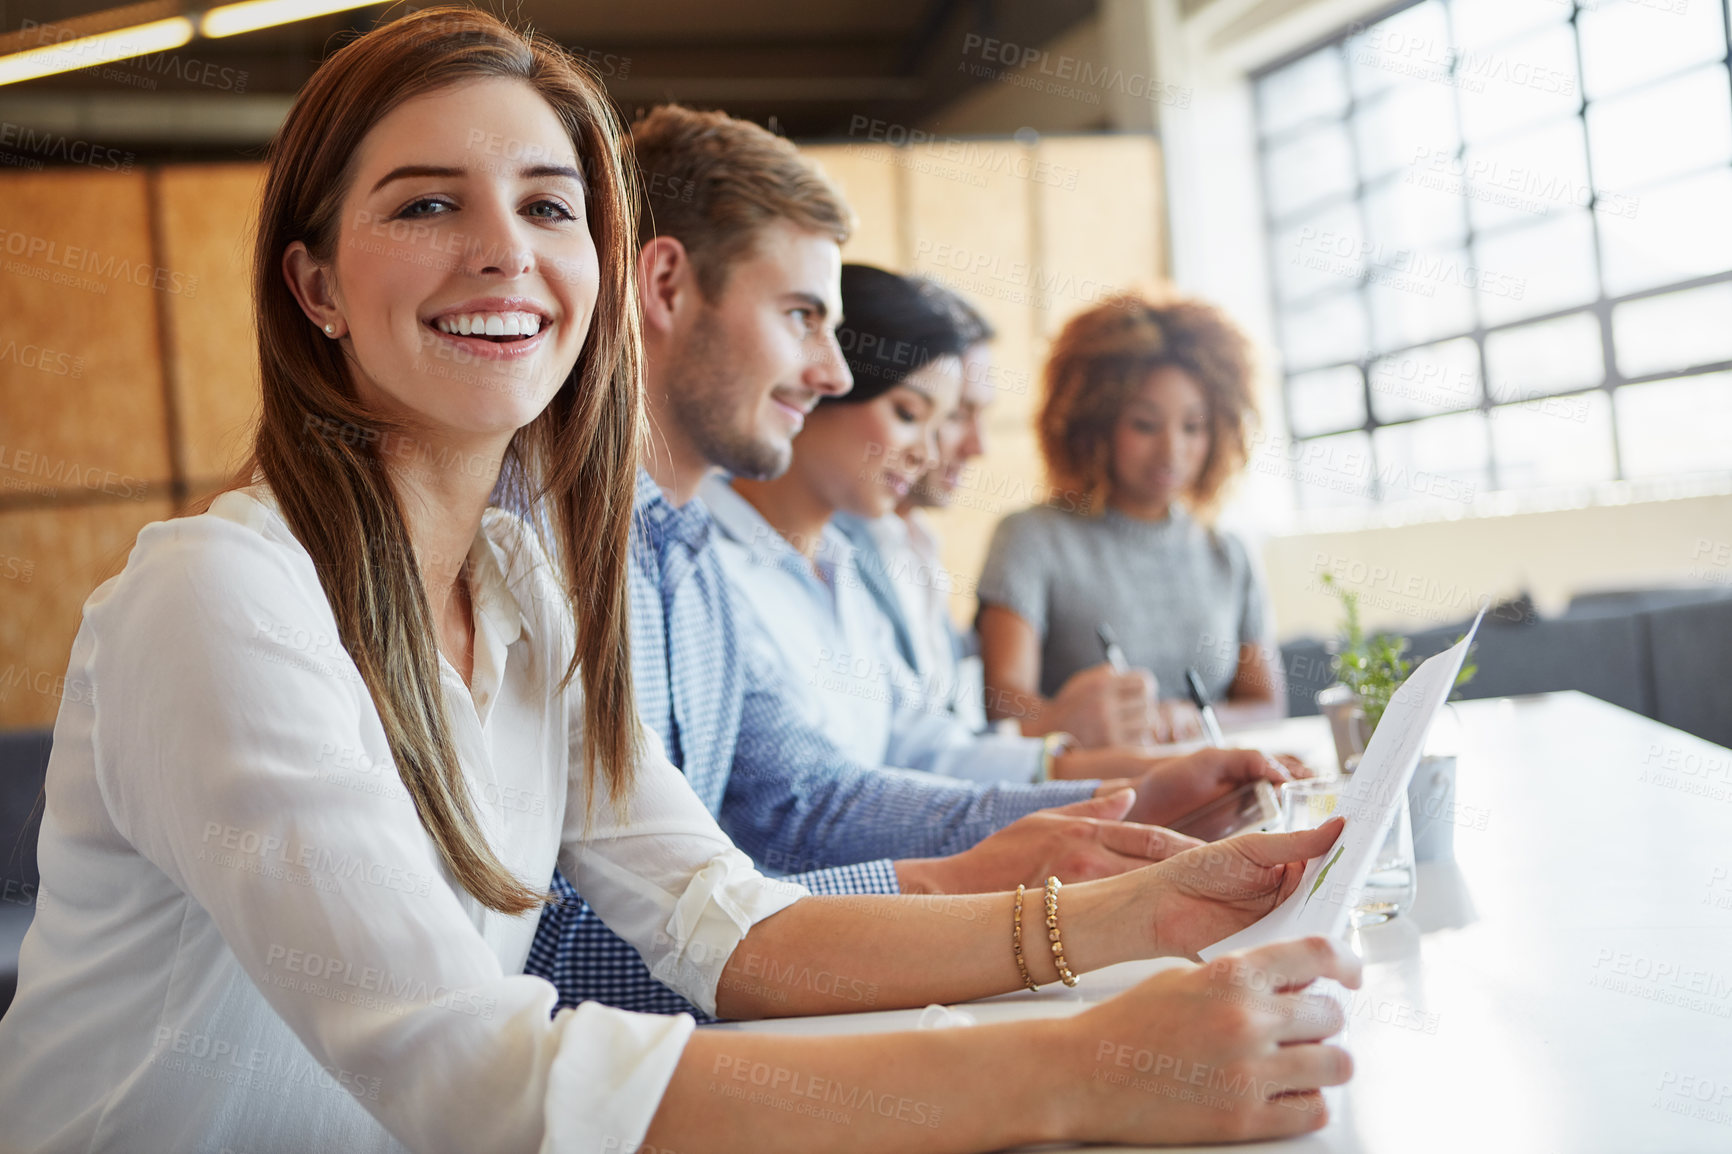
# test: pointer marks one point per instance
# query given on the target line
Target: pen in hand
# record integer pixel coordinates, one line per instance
(1116, 659)
(1200, 697)
(1110, 645)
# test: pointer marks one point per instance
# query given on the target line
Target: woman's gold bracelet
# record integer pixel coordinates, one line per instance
(1064, 972)
(1016, 941)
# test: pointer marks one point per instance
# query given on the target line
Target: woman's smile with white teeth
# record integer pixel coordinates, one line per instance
(511, 324)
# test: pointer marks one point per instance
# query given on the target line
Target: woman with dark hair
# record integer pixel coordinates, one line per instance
(328, 727)
(1148, 407)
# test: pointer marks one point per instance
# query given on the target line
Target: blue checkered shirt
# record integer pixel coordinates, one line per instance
(709, 687)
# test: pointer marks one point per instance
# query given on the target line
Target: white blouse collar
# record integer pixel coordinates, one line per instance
(502, 542)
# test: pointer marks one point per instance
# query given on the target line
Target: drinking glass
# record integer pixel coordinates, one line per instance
(1390, 888)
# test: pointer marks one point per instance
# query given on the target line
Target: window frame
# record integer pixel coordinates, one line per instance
(1601, 306)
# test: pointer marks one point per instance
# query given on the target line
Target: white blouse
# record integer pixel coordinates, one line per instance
(245, 939)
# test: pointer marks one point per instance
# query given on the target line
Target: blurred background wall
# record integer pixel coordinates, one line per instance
(1463, 399)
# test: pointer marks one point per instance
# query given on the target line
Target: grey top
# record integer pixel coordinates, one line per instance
(1176, 593)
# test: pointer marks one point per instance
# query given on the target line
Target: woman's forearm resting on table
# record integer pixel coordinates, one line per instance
(837, 955)
(979, 1088)
(1224, 1052)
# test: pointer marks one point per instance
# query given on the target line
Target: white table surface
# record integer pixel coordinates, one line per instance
(1565, 985)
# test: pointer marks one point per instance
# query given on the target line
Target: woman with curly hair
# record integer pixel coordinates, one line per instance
(1149, 403)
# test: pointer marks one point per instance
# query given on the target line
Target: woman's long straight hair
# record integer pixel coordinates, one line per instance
(577, 459)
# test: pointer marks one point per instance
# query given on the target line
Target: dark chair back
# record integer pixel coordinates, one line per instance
(23, 764)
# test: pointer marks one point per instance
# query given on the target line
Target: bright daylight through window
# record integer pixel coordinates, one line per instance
(1501, 245)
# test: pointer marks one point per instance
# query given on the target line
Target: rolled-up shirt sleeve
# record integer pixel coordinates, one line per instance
(223, 696)
(664, 876)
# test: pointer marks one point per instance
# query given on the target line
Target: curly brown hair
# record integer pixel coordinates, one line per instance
(1104, 354)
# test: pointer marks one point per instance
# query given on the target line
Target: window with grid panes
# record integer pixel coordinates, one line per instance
(1501, 247)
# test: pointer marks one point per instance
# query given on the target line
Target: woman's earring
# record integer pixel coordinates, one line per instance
(330, 329)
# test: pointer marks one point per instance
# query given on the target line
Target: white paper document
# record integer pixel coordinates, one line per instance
(1369, 801)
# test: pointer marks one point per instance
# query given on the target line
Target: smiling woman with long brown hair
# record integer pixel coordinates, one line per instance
(339, 727)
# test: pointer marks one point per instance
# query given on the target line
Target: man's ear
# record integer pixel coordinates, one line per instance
(666, 280)
(314, 289)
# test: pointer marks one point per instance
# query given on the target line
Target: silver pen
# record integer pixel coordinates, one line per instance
(1121, 666)
(1200, 697)
(1110, 643)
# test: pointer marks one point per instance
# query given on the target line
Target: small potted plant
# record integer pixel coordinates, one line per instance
(1368, 671)
(1371, 669)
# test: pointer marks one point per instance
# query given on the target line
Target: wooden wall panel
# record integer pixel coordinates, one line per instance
(975, 235)
(205, 219)
(869, 178)
(50, 561)
(1100, 221)
(80, 366)
(971, 227)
